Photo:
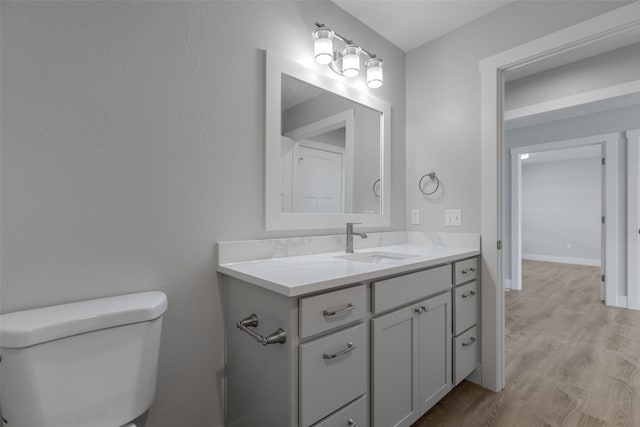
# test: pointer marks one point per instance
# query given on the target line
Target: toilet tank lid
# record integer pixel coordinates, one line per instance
(31, 327)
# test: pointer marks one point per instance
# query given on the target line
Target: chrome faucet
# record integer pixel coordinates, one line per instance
(350, 234)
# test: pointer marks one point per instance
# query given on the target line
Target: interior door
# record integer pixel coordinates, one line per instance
(317, 181)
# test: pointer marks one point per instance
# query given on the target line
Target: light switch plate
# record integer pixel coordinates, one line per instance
(415, 216)
(453, 217)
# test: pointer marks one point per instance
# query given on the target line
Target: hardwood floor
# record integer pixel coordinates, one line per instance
(570, 360)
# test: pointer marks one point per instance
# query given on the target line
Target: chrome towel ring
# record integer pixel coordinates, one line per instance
(434, 178)
(376, 188)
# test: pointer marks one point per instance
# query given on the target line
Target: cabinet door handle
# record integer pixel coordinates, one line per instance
(327, 313)
(468, 343)
(469, 294)
(349, 348)
(420, 309)
(351, 423)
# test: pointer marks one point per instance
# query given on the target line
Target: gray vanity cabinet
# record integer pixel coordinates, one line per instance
(466, 303)
(411, 347)
(395, 366)
(379, 353)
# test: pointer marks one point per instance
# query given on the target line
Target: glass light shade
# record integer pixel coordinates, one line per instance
(351, 60)
(374, 73)
(323, 45)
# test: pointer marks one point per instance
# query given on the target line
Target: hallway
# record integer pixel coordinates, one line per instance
(570, 360)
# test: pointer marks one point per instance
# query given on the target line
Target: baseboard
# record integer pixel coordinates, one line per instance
(507, 283)
(561, 259)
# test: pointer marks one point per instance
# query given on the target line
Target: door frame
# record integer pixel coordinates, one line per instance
(607, 28)
(633, 219)
(614, 229)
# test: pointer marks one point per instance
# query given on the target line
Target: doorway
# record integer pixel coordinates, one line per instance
(608, 224)
(605, 32)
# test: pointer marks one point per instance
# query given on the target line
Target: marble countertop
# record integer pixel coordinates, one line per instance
(299, 275)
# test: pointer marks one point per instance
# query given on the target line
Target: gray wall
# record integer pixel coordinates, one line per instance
(133, 140)
(600, 71)
(561, 207)
(443, 98)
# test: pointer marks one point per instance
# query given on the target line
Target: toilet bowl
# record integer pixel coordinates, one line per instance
(90, 363)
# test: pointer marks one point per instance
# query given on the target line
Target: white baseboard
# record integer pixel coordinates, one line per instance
(561, 259)
(507, 283)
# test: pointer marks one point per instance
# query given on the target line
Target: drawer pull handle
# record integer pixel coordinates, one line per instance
(351, 423)
(420, 309)
(470, 270)
(468, 343)
(349, 348)
(473, 270)
(469, 294)
(349, 307)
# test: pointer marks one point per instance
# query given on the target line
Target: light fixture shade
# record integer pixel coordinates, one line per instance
(374, 73)
(350, 60)
(323, 45)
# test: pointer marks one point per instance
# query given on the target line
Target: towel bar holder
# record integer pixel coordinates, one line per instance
(277, 337)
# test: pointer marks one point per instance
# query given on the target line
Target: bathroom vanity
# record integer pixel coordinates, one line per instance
(332, 339)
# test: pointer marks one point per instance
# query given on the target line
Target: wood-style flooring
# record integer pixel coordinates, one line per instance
(570, 360)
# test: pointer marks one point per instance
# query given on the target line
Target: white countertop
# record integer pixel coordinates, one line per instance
(298, 275)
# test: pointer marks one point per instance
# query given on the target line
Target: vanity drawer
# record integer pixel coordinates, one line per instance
(466, 270)
(355, 414)
(331, 310)
(400, 290)
(465, 354)
(465, 307)
(333, 372)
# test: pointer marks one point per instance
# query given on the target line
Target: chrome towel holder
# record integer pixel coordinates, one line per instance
(277, 337)
(434, 178)
(376, 188)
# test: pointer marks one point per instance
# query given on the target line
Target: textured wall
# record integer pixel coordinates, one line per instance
(443, 98)
(133, 140)
(561, 208)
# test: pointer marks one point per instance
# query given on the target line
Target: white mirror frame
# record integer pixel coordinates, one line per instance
(276, 65)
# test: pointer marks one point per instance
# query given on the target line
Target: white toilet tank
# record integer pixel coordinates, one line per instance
(86, 364)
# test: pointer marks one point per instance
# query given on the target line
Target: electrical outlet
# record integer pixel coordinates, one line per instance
(415, 216)
(453, 217)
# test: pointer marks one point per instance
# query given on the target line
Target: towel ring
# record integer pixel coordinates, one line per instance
(376, 193)
(433, 177)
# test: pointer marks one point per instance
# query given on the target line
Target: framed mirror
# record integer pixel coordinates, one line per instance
(327, 151)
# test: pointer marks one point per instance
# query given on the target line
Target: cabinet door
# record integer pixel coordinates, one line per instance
(434, 350)
(394, 368)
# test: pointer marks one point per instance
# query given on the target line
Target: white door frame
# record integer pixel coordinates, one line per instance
(604, 28)
(614, 230)
(344, 119)
(633, 218)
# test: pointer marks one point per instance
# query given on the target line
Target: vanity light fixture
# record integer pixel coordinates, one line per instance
(345, 59)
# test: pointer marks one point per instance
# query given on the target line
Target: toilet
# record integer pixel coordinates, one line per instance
(85, 364)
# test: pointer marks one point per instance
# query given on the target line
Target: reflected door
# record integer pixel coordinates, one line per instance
(317, 181)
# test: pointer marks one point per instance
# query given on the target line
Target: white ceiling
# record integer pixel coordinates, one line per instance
(576, 153)
(411, 23)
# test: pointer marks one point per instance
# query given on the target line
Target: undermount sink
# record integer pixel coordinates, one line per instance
(375, 257)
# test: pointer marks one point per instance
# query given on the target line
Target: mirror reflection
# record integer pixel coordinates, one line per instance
(330, 152)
